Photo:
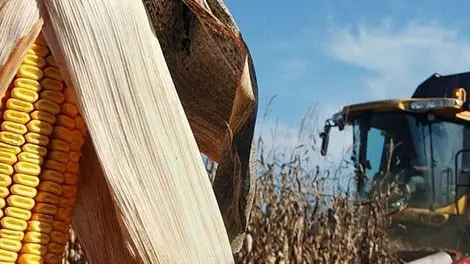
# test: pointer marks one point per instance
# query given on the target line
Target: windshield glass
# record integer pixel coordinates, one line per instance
(414, 150)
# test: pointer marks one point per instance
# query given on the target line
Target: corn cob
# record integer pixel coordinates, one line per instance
(41, 135)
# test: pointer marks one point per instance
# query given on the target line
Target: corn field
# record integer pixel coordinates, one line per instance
(294, 221)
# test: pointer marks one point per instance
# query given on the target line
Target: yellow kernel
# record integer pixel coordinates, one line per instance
(61, 226)
(4, 192)
(13, 223)
(60, 156)
(74, 156)
(7, 157)
(14, 127)
(69, 95)
(56, 97)
(27, 168)
(31, 254)
(10, 244)
(35, 149)
(20, 202)
(53, 73)
(52, 258)
(57, 144)
(30, 157)
(69, 109)
(9, 148)
(63, 214)
(70, 179)
(24, 94)
(67, 203)
(39, 226)
(19, 105)
(11, 234)
(43, 116)
(11, 138)
(36, 237)
(40, 127)
(5, 180)
(40, 40)
(6, 169)
(35, 138)
(34, 60)
(69, 191)
(63, 133)
(29, 71)
(2, 203)
(47, 106)
(52, 175)
(18, 213)
(43, 218)
(55, 165)
(59, 237)
(8, 256)
(50, 187)
(44, 208)
(23, 190)
(76, 145)
(77, 135)
(46, 197)
(80, 124)
(55, 248)
(63, 120)
(39, 50)
(16, 116)
(25, 179)
(51, 61)
(73, 167)
(27, 83)
(51, 84)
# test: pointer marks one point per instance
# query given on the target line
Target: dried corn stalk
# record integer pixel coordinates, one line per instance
(143, 191)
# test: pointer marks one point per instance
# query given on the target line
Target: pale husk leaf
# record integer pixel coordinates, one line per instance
(18, 32)
(95, 220)
(139, 130)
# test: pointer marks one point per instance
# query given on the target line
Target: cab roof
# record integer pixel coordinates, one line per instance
(443, 88)
(444, 107)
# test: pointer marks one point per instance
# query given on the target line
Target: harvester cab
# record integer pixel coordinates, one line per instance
(421, 148)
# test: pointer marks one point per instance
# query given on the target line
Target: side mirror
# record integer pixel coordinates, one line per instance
(335, 121)
(325, 136)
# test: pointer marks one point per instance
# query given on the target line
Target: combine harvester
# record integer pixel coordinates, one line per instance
(421, 147)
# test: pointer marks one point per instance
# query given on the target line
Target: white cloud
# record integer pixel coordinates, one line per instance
(284, 138)
(399, 59)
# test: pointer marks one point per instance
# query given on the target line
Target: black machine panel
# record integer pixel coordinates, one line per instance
(442, 85)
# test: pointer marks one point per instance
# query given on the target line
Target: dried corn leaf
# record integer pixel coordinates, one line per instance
(215, 79)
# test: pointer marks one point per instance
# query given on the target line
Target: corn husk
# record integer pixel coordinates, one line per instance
(17, 33)
(144, 196)
(215, 79)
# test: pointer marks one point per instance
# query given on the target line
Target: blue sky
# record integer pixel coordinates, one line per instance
(337, 52)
